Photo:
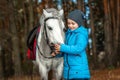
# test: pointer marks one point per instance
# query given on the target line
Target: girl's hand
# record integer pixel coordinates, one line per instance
(57, 50)
(53, 54)
(57, 47)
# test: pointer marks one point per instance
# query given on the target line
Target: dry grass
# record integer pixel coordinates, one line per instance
(33, 77)
(106, 74)
(95, 75)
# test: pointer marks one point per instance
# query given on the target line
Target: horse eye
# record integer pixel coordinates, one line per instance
(50, 28)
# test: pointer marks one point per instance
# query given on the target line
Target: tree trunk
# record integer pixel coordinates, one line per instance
(108, 34)
(15, 41)
(80, 5)
(113, 22)
(93, 37)
(30, 8)
(112, 17)
(118, 23)
(1, 66)
(116, 32)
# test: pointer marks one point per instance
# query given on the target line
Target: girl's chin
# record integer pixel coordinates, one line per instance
(72, 29)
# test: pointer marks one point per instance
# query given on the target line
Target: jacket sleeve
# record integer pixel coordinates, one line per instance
(81, 44)
(59, 55)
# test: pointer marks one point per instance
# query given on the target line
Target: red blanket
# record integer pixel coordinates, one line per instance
(31, 53)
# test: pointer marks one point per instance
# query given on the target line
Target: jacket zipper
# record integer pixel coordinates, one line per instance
(68, 67)
(67, 59)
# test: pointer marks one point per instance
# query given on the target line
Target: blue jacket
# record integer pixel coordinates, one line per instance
(75, 58)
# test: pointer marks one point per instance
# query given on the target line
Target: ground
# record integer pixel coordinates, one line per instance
(106, 74)
(113, 74)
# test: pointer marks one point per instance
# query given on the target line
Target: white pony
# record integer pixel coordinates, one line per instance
(51, 32)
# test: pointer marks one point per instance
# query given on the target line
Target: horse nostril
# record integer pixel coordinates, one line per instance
(52, 44)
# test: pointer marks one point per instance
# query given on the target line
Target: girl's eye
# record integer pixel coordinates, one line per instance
(69, 23)
(73, 23)
(50, 28)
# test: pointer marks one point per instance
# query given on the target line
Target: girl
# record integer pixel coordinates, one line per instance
(74, 49)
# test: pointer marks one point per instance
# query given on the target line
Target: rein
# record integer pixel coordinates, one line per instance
(47, 40)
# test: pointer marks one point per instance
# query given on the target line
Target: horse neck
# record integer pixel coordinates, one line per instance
(44, 47)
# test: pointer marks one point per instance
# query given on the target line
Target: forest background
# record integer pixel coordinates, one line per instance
(19, 17)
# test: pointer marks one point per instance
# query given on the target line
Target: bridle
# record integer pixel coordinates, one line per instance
(51, 45)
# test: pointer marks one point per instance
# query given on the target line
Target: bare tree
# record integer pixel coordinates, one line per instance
(112, 16)
(115, 24)
(81, 5)
(94, 50)
(31, 19)
(15, 39)
(1, 66)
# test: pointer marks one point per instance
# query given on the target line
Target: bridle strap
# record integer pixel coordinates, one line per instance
(42, 53)
(50, 18)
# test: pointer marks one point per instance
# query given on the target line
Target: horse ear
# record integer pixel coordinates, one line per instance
(61, 12)
(45, 12)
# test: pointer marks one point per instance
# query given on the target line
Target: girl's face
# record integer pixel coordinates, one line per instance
(72, 24)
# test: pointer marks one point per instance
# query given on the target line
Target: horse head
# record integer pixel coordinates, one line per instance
(53, 25)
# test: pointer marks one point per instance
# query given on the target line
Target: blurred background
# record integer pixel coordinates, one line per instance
(19, 17)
